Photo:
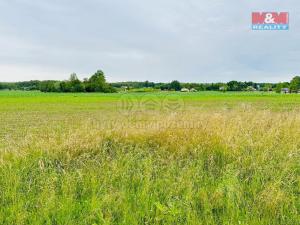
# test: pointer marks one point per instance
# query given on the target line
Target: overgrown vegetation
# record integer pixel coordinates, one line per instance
(231, 158)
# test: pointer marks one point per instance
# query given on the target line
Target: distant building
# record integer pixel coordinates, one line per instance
(193, 90)
(222, 88)
(285, 90)
(185, 90)
(124, 88)
(250, 88)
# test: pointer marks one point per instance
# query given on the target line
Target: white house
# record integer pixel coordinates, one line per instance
(185, 90)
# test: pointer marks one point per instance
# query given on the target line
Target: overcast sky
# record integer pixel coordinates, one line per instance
(157, 40)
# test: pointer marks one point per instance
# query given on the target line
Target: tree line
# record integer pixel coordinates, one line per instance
(293, 86)
(98, 83)
(176, 85)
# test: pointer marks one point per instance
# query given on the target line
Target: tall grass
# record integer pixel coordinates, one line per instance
(225, 166)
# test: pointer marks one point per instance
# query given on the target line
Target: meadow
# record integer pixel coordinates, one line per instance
(149, 158)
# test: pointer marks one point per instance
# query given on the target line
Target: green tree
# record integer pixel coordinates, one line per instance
(73, 77)
(280, 86)
(267, 87)
(295, 84)
(48, 86)
(97, 83)
(75, 84)
(65, 86)
(175, 85)
(234, 86)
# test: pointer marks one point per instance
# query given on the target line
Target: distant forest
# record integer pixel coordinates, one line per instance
(98, 83)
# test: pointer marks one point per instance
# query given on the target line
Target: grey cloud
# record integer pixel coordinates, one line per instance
(159, 40)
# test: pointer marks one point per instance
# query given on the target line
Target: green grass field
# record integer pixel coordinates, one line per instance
(155, 158)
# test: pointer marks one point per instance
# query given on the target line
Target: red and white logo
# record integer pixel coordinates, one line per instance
(270, 20)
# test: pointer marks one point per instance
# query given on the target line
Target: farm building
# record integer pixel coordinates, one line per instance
(250, 88)
(285, 90)
(222, 88)
(185, 90)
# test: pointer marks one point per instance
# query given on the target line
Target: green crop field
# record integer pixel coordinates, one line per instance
(149, 158)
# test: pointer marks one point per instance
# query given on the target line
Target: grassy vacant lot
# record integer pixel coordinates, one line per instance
(164, 158)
